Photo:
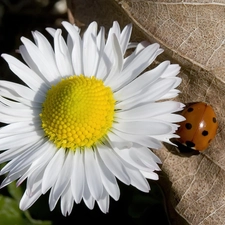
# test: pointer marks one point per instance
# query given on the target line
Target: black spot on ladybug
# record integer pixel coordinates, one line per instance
(188, 126)
(205, 132)
(190, 144)
(190, 109)
(214, 120)
(185, 150)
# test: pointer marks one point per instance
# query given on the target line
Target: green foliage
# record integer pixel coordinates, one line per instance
(10, 214)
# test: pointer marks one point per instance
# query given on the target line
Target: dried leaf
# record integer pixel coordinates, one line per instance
(192, 32)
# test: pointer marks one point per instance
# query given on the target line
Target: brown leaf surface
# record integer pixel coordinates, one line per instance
(192, 32)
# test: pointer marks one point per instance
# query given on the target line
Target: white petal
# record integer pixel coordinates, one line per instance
(114, 163)
(125, 37)
(24, 91)
(25, 159)
(46, 49)
(144, 153)
(62, 180)
(117, 62)
(139, 63)
(12, 95)
(142, 127)
(69, 42)
(171, 94)
(115, 29)
(152, 109)
(171, 71)
(160, 88)
(90, 50)
(11, 178)
(52, 170)
(148, 157)
(28, 200)
(11, 153)
(150, 175)
(78, 176)
(47, 70)
(32, 65)
(143, 140)
(105, 63)
(103, 203)
(166, 138)
(141, 82)
(20, 127)
(87, 197)
(21, 112)
(20, 139)
(38, 165)
(137, 179)
(14, 119)
(51, 31)
(77, 48)
(118, 141)
(172, 118)
(108, 179)
(92, 174)
(100, 41)
(139, 47)
(130, 156)
(27, 75)
(67, 201)
(62, 55)
(13, 104)
(32, 180)
(152, 93)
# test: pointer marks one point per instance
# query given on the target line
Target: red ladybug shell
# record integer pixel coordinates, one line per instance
(200, 126)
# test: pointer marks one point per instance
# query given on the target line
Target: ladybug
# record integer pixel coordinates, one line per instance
(199, 128)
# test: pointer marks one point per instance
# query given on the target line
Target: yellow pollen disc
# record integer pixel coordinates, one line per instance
(77, 112)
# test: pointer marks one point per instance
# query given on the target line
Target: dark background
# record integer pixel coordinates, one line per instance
(20, 17)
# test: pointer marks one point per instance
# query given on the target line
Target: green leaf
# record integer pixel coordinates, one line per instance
(14, 191)
(10, 212)
(36, 222)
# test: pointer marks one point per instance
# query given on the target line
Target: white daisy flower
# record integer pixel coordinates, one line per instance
(86, 118)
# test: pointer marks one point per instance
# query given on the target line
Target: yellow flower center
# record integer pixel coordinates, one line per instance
(77, 112)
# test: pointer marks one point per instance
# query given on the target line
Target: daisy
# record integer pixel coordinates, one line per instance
(85, 118)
